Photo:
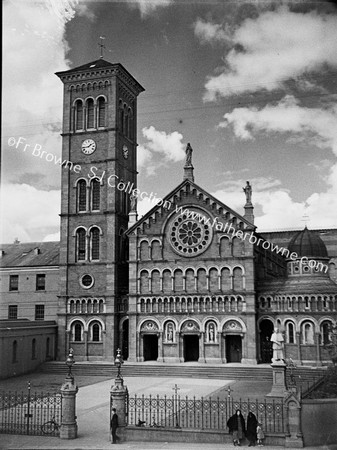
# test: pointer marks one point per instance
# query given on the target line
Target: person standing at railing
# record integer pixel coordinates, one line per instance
(114, 426)
(237, 427)
(260, 435)
(251, 429)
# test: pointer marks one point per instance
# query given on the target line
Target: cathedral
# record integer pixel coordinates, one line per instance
(191, 280)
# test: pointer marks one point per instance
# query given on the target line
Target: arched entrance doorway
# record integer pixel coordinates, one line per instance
(190, 333)
(125, 339)
(233, 334)
(191, 347)
(150, 342)
(233, 348)
(266, 347)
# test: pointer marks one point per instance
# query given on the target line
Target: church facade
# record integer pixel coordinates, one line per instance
(191, 280)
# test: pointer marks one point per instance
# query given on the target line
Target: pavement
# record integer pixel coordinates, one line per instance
(93, 417)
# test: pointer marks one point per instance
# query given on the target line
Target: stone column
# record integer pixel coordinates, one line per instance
(202, 348)
(220, 346)
(160, 347)
(68, 429)
(86, 345)
(298, 340)
(318, 349)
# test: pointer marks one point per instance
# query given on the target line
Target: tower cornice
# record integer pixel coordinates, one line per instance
(96, 71)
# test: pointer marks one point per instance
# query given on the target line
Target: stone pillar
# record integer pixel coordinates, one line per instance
(298, 341)
(160, 347)
(279, 380)
(202, 348)
(318, 349)
(118, 393)
(86, 357)
(294, 436)
(68, 429)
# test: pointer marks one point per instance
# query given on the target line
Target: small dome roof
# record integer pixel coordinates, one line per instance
(308, 243)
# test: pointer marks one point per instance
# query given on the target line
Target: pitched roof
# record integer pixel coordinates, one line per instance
(30, 254)
(189, 186)
(298, 285)
(98, 64)
(92, 69)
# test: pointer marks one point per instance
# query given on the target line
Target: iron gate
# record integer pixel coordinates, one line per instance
(35, 413)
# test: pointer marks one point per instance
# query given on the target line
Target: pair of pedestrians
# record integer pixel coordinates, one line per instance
(237, 427)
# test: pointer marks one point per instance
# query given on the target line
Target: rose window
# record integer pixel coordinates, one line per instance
(191, 236)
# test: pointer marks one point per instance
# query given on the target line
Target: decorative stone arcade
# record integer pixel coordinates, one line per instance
(190, 341)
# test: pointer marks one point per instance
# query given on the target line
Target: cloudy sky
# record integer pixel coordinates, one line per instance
(251, 85)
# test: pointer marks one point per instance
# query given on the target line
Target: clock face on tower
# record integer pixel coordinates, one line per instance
(125, 152)
(88, 146)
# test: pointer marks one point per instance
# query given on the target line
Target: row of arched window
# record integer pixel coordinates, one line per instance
(192, 280)
(214, 304)
(88, 195)
(86, 306)
(297, 303)
(227, 247)
(33, 350)
(88, 244)
(89, 114)
(94, 331)
(307, 332)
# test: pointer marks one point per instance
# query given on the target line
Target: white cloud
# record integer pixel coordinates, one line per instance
(147, 7)
(159, 149)
(209, 32)
(52, 237)
(275, 208)
(28, 213)
(168, 144)
(34, 47)
(287, 116)
(272, 48)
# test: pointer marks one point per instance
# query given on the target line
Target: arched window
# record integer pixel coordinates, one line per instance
(95, 332)
(95, 194)
(326, 328)
(121, 117)
(307, 332)
(34, 349)
(90, 113)
(94, 243)
(81, 195)
(15, 352)
(80, 244)
(290, 333)
(101, 111)
(78, 120)
(77, 331)
(130, 124)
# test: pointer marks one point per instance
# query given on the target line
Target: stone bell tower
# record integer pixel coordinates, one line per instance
(100, 167)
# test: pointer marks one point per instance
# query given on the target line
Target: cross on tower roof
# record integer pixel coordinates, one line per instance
(101, 45)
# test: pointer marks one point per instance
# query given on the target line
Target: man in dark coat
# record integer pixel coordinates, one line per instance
(237, 427)
(114, 425)
(251, 429)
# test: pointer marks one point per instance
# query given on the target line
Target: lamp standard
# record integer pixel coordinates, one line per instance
(70, 362)
(118, 363)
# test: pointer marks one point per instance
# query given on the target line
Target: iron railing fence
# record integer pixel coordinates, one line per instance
(204, 413)
(35, 413)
